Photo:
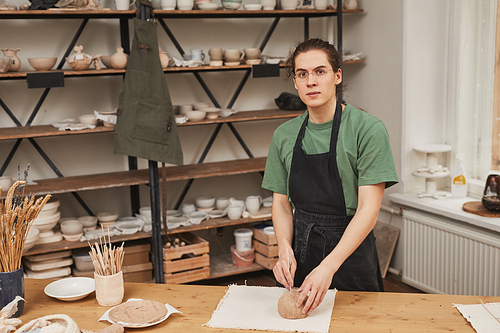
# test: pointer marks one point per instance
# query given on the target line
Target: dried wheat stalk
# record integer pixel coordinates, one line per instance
(16, 217)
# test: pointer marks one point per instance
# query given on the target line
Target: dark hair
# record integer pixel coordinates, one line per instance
(313, 44)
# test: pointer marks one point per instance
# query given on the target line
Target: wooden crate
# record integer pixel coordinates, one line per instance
(266, 248)
(187, 263)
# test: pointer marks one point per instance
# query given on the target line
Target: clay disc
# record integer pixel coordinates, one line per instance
(138, 312)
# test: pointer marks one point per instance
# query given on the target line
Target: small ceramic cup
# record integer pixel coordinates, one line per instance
(253, 203)
(109, 289)
(252, 53)
(234, 55)
(234, 212)
(215, 54)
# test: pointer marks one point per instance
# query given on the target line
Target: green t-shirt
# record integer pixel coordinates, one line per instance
(364, 155)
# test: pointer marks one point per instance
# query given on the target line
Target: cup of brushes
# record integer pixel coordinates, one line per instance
(108, 275)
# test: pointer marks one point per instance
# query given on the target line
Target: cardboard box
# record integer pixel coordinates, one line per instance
(266, 248)
(187, 263)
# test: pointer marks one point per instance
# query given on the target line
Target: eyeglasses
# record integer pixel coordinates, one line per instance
(318, 72)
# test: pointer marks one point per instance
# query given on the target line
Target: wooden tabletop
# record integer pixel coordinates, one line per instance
(353, 311)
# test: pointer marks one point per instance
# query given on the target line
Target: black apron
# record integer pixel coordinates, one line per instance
(320, 217)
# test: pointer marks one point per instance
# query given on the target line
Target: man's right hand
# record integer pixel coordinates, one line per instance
(284, 270)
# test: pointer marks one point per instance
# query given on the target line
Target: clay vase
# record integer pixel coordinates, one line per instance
(109, 289)
(16, 62)
(5, 64)
(163, 59)
(350, 4)
(119, 60)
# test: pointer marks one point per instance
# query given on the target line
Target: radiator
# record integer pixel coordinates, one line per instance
(449, 257)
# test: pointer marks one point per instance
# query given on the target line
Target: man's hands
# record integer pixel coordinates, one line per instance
(316, 284)
(284, 270)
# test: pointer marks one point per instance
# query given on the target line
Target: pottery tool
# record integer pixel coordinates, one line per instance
(106, 258)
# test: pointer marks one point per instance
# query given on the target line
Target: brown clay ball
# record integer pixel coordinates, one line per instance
(287, 305)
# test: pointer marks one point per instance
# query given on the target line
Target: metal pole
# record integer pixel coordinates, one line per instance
(154, 189)
(11, 115)
(10, 156)
(306, 28)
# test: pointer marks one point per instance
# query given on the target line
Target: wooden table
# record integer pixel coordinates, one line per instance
(353, 311)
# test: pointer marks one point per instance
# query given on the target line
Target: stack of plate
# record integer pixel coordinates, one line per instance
(49, 265)
(46, 220)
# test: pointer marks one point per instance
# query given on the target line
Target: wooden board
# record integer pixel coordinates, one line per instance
(270, 251)
(386, 237)
(186, 264)
(194, 246)
(476, 207)
(265, 261)
(188, 276)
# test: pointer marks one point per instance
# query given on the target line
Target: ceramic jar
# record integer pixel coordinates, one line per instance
(163, 59)
(16, 62)
(119, 60)
(350, 4)
(109, 289)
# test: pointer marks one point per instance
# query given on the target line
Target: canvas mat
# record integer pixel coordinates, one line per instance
(481, 320)
(245, 307)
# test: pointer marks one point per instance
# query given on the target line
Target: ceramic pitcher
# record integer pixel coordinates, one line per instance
(16, 62)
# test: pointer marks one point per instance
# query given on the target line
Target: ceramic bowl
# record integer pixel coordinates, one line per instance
(205, 201)
(88, 119)
(253, 6)
(226, 112)
(208, 6)
(70, 289)
(42, 64)
(212, 113)
(73, 238)
(51, 204)
(72, 227)
(145, 211)
(106, 61)
(174, 213)
(88, 221)
(44, 224)
(31, 239)
(107, 225)
(195, 115)
(273, 61)
(6, 182)
(200, 106)
(107, 217)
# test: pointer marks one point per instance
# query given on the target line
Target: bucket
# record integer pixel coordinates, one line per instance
(242, 258)
(243, 239)
(12, 285)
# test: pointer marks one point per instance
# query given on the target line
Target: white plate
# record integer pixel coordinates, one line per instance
(174, 213)
(177, 220)
(70, 289)
(216, 214)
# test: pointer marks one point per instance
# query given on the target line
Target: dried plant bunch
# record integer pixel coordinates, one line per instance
(17, 213)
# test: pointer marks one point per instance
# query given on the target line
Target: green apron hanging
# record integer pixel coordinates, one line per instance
(146, 123)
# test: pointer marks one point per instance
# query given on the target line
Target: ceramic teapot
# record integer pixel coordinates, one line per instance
(491, 194)
(16, 62)
(79, 61)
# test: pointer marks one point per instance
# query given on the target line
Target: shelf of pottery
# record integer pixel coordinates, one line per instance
(432, 171)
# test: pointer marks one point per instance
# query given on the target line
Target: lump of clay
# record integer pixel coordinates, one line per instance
(287, 307)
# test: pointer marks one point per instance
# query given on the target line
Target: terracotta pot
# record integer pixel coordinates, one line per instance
(109, 289)
(16, 62)
(119, 60)
(164, 59)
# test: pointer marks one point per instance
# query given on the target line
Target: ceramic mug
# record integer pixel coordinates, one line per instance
(253, 203)
(320, 4)
(168, 4)
(291, 4)
(234, 212)
(109, 289)
(268, 4)
(188, 208)
(197, 55)
(222, 203)
(234, 55)
(185, 4)
(215, 54)
(252, 53)
(123, 4)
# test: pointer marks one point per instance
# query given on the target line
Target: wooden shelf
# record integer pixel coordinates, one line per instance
(128, 14)
(138, 177)
(12, 133)
(222, 265)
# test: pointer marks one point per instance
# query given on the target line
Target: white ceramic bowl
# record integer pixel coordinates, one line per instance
(88, 221)
(88, 119)
(42, 64)
(212, 113)
(195, 115)
(6, 182)
(145, 211)
(70, 289)
(72, 227)
(51, 205)
(107, 216)
(46, 223)
(253, 6)
(31, 239)
(107, 225)
(205, 201)
(73, 238)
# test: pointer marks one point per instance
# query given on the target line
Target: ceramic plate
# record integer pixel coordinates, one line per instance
(235, 63)
(174, 213)
(70, 289)
(216, 214)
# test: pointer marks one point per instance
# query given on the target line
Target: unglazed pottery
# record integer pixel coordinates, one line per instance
(109, 289)
(16, 62)
(79, 61)
(350, 4)
(119, 60)
(42, 64)
(163, 58)
(5, 64)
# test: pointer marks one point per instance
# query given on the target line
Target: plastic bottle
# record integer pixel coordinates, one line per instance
(459, 181)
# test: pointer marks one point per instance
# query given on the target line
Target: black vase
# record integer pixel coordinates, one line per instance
(491, 193)
(12, 285)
